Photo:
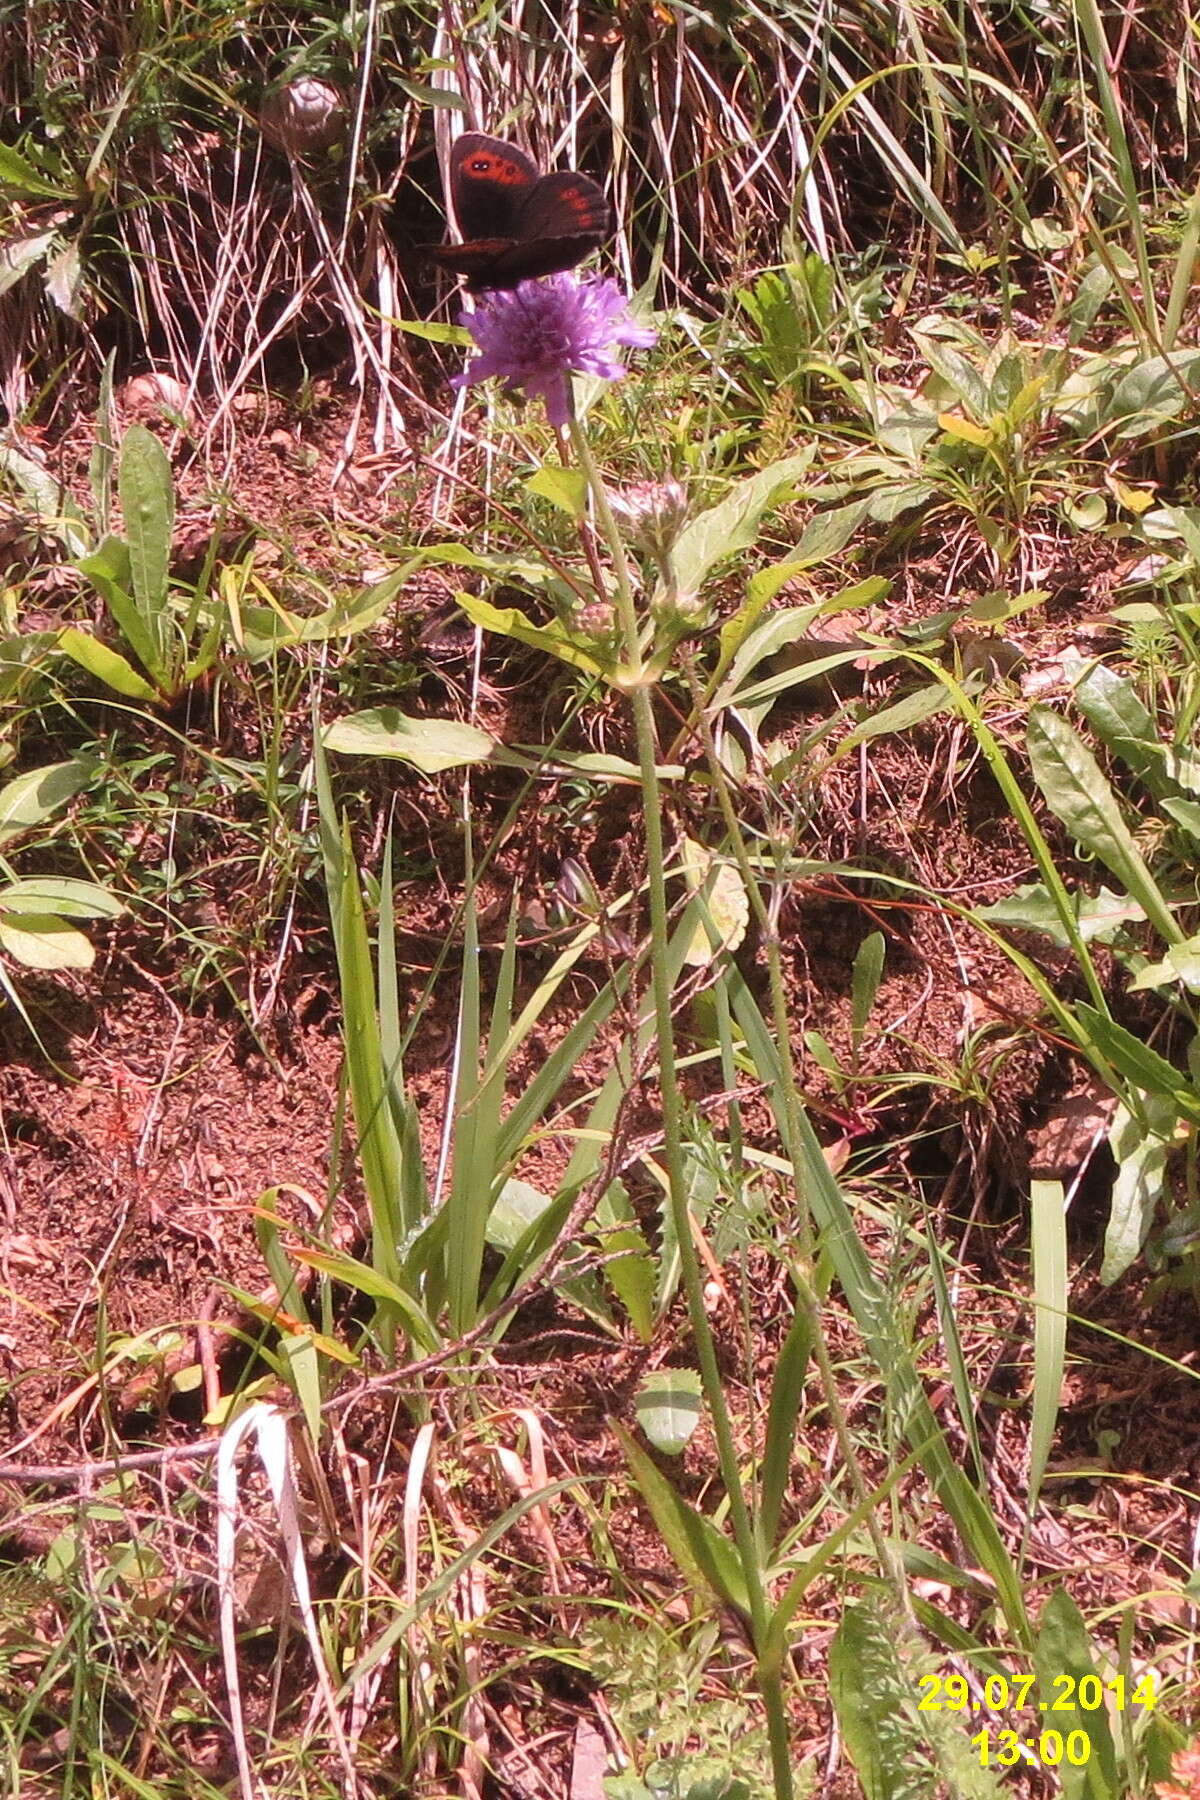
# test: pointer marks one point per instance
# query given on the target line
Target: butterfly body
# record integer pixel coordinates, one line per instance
(516, 222)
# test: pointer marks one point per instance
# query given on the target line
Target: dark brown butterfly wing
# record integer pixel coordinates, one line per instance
(489, 184)
(536, 224)
(565, 204)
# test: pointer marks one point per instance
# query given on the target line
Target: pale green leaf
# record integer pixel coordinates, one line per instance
(733, 523)
(1141, 1158)
(42, 941)
(61, 894)
(29, 799)
(430, 745)
(668, 1408)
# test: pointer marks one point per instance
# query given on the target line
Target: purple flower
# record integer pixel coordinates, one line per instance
(535, 334)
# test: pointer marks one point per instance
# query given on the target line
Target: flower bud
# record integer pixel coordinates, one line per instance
(307, 114)
(653, 514)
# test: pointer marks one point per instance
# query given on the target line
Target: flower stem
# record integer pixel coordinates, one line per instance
(641, 691)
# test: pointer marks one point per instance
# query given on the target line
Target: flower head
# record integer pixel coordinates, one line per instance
(533, 336)
(653, 514)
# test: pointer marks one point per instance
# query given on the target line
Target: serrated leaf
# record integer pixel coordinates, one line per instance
(431, 745)
(16, 172)
(668, 1408)
(20, 254)
(42, 941)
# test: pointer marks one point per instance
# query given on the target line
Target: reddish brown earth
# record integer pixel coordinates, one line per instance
(139, 1141)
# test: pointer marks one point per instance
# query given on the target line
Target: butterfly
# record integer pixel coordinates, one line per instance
(516, 222)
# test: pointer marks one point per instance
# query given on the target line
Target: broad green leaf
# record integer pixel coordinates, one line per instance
(148, 501)
(110, 571)
(1154, 391)
(29, 799)
(704, 1555)
(61, 894)
(827, 534)
(1032, 908)
(42, 941)
(924, 703)
(554, 639)
(518, 1206)
(668, 1407)
(566, 489)
(1062, 1654)
(865, 978)
(1141, 1159)
(1076, 791)
(1137, 1062)
(108, 666)
(431, 745)
(1112, 708)
(732, 524)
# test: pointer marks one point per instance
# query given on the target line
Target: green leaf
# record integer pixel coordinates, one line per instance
(29, 799)
(668, 1408)
(108, 666)
(1077, 792)
(61, 894)
(704, 1556)
(148, 501)
(553, 639)
(565, 488)
(1048, 1242)
(110, 571)
(1032, 908)
(1141, 1159)
(1112, 708)
(628, 1261)
(20, 254)
(56, 511)
(1137, 1062)
(431, 745)
(732, 524)
(1154, 391)
(19, 174)
(42, 941)
(1062, 1652)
